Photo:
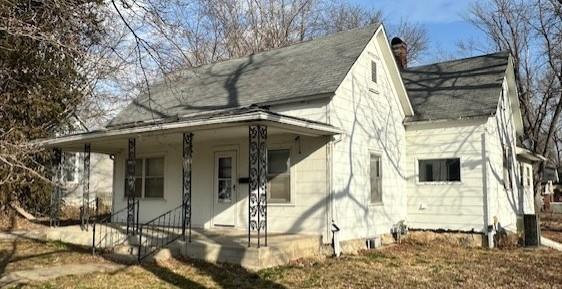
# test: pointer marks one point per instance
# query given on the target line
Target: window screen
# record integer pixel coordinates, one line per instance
(376, 178)
(154, 178)
(278, 176)
(149, 178)
(374, 71)
(70, 167)
(440, 170)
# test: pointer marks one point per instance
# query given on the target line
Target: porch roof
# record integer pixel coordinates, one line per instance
(196, 122)
(529, 155)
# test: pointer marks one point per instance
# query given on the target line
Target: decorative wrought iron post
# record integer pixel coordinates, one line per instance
(56, 195)
(85, 212)
(131, 194)
(186, 183)
(257, 195)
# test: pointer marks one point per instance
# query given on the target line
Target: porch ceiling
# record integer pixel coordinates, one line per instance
(114, 139)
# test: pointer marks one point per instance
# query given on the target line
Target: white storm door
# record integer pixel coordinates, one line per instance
(224, 191)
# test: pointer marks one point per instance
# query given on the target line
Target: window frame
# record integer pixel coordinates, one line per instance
(381, 177)
(143, 177)
(507, 168)
(374, 72)
(292, 176)
(417, 169)
(76, 167)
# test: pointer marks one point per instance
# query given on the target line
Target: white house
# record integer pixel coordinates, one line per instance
(333, 131)
(100, 179)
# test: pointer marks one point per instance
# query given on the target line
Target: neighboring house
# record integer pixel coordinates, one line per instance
(351, 140)
(101, 178)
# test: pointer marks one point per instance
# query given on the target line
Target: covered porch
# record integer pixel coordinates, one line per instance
(213, 170)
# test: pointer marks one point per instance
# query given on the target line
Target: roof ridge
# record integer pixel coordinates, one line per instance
(457, 59)
(374, 27)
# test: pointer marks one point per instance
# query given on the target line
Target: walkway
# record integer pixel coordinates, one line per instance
(53, 272)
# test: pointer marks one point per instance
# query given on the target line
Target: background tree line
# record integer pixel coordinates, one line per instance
(68, 65)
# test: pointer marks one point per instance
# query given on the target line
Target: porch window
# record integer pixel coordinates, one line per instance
(71, 165)
(278, 176)
(440, 170)
(375, 173)
(149, 178)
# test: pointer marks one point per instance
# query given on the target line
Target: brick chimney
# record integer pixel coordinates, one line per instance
(400, 51)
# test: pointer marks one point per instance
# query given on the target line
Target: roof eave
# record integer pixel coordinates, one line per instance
(301, 126)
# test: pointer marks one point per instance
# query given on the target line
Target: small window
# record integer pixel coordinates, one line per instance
(440, 170)
(279, 176)
(529, 177)
(149, 178)
(375, 173)
(154, 178)
(374, 71)
(70, 167)
(507, 164)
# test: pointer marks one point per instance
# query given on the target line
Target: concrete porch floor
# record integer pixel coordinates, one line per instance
(227, 245)
(231, 246)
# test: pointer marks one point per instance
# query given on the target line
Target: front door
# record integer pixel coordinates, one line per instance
(224, 195)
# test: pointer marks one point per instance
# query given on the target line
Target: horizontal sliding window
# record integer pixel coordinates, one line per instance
(440, 170)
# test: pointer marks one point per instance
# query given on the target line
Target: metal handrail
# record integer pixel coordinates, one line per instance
(106, 232)
(160, 231)
(85, 217)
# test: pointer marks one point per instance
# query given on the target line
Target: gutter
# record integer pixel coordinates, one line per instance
(431, 121)
(276, 120)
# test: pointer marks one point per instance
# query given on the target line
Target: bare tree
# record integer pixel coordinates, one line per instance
(532, 32)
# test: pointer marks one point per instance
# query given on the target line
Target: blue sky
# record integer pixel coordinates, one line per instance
(443, 19)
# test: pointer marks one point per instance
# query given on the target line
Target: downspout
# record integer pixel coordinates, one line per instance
(488, 229)
(331, 226)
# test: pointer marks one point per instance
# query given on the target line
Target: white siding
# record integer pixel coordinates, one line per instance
(500, 131)
(305, 214)
(448, 206)
(101, 174)
(371, 116)
(314, 110)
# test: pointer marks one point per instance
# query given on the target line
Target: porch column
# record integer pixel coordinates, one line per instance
(56, 195)
(131, 194)
(85, 212)
(257, 196)
(187, 141)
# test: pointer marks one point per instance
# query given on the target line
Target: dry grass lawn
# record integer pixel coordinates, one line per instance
(551, 226)
(410, 265)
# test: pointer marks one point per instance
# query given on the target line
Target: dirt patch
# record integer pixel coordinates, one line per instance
(10, 220)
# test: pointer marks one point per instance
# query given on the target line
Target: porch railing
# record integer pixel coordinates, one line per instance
(86, 213)
(160, 231)
(110, 230)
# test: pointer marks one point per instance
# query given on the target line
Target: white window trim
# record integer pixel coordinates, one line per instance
(373, 86)
(417, 170)
(144, 157)
(379, 154)
(292, 174)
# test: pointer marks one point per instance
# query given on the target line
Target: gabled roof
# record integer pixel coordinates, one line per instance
(297, 72)
(462, 88)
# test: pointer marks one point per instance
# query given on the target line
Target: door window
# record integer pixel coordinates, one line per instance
(224, 180)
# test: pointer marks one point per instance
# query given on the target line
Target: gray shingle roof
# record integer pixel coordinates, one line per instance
(305, 69)
(456, 89)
